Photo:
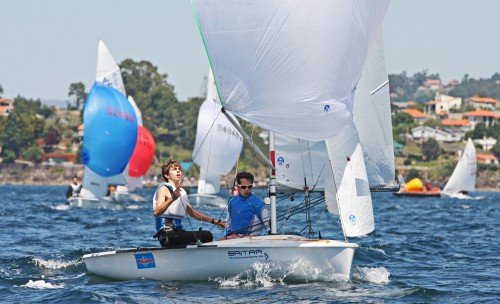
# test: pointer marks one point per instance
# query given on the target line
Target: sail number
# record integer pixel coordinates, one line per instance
(119, 114)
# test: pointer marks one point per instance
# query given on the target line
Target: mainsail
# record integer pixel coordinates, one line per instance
(463, 177)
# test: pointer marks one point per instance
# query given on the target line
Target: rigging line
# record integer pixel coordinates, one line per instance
(299, 208)
(296, 210)
(210, 131)
(204, 138)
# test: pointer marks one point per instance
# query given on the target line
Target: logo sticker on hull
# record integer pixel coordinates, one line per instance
(145, 260)
(255, 254)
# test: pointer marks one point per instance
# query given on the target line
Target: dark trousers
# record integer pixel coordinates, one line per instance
(181, 237)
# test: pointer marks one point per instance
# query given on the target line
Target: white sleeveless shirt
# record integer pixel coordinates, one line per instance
(178, 208)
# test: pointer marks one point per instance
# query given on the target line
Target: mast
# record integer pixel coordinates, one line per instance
(272, 183)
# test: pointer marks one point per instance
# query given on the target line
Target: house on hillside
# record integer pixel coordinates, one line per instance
(442, 104)
(488, 118)
(482, 103)
(6, 106)
(424, 132)
(416, 115)
(487, 158)
(433, 84)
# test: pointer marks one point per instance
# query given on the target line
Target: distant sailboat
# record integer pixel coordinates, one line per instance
(110, 125)
(463, 178)
(139, 162)
(217, 147)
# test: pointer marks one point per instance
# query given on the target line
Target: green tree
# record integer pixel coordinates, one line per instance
(479, 131)
(430, 149)
(33, 153)
(22, 126)
(496, 149)
(401, 118)
(1, 90)
(78, 94)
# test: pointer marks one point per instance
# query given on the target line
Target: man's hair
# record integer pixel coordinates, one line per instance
(245, 175)
(166, 168)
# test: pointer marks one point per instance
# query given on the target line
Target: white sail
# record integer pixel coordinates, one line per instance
(107, 70)
(218, 144)
(354, 198)
(300, 163)
(372, 117)
(290, 67)
(463, 177)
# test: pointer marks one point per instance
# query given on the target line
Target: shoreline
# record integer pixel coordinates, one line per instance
(185, 185)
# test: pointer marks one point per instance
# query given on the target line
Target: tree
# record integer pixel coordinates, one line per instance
(33, 153)
(22, 126)
(401, 118)
(496, 149)
(77, 90)
(1, 90)
(52, 136)
(430, 149)
(479, 131)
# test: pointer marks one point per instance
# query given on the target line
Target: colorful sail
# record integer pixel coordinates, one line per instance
(110, 131)
(143, 154)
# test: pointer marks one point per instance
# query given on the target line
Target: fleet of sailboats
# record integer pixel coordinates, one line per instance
(294, 69)
(111, 123)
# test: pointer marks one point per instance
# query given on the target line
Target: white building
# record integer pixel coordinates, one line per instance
(424, 132)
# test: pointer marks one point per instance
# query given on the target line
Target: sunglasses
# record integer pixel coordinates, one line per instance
(245, 186)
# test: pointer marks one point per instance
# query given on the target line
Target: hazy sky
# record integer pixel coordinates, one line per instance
(47, 45)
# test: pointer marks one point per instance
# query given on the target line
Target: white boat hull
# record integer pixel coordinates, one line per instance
(224, 259)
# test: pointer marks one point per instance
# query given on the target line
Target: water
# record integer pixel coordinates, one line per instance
(432, 250)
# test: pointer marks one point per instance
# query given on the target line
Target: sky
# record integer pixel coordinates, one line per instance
(47, 45)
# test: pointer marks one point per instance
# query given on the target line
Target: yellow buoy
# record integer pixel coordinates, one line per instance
(415, 184)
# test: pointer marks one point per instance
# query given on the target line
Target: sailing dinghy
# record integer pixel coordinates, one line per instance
(275, 68)
(463, 178)
(101, 135)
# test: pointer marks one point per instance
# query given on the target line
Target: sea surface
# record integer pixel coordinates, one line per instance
(424, 250)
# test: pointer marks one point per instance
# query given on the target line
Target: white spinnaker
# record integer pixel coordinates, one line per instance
(218, 144)
(372, 117)
(300, 163)
(464, 176)
(289, 66)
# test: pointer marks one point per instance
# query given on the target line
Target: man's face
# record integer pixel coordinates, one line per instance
(245, 187)
(75, 180)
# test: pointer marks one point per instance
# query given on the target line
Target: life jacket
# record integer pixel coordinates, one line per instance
(176, 210)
